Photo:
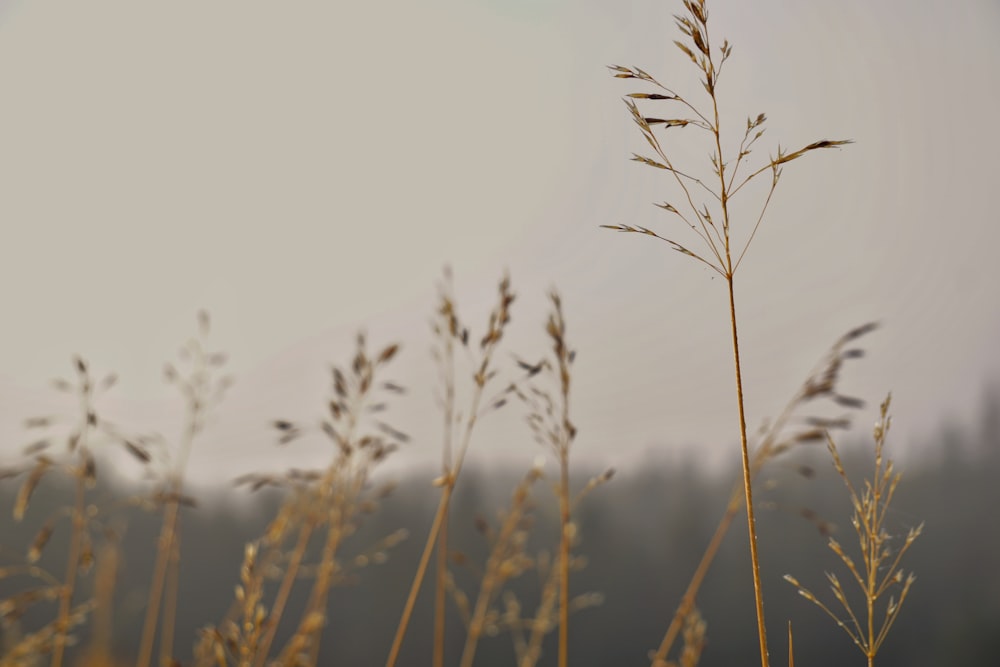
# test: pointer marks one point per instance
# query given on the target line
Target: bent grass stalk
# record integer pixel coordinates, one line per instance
(822, 382)
(723, 256)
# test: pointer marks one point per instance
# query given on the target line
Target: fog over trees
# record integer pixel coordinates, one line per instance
(642, 535)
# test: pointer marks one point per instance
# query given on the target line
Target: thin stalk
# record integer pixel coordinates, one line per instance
(104, 585)
(170, 602)
(168, 531)
(79, 519)
(340, 517)
(452, 463)
(564, 548)
(284, 591)
(744, 445)
(165, 546)
(736, 500)
(497, 571)
(418, 578)
(434, 538)
(873, 556)
(540, 623)
(440, 598)
(478, 618)
(476, 622)
(791, 652)
(72, 565)
(165, 555)
(747, 488)
(440, 594)
(688, 600)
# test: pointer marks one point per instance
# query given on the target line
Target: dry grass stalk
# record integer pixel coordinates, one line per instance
(879, 571)
(719, 251)
(99, 652)
(507, 560)
(202, 389)
(325, 504)
(46, 640)
(459, 426)
(791, 647)
(80, 465)
(562, 437)
(528, 646)
(84, 475)
(778, 437)
(550, 422)
(694, 641)
(552, 428)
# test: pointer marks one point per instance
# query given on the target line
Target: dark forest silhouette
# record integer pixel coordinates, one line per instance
(642, 535)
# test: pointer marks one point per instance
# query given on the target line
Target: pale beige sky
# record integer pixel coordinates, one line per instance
(302, 169)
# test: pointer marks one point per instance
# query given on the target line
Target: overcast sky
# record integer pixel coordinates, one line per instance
(303, 169)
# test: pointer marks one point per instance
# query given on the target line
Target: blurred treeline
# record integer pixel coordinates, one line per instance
(642, 535)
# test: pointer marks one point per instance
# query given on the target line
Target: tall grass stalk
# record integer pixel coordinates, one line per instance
(448, 328)
(563, 435)
(78, 520)
(720, 251)
(200, 390)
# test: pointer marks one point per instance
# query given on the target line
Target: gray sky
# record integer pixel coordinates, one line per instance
(305, 169)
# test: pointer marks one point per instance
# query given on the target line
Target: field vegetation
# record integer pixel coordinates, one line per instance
(301, 578)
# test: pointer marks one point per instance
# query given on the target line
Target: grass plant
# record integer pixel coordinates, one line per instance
(705, 208)
(877, 572)
(458, 430)
(87, 524)
(201, 388)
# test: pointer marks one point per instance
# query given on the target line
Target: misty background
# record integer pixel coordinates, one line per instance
(305, 171)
